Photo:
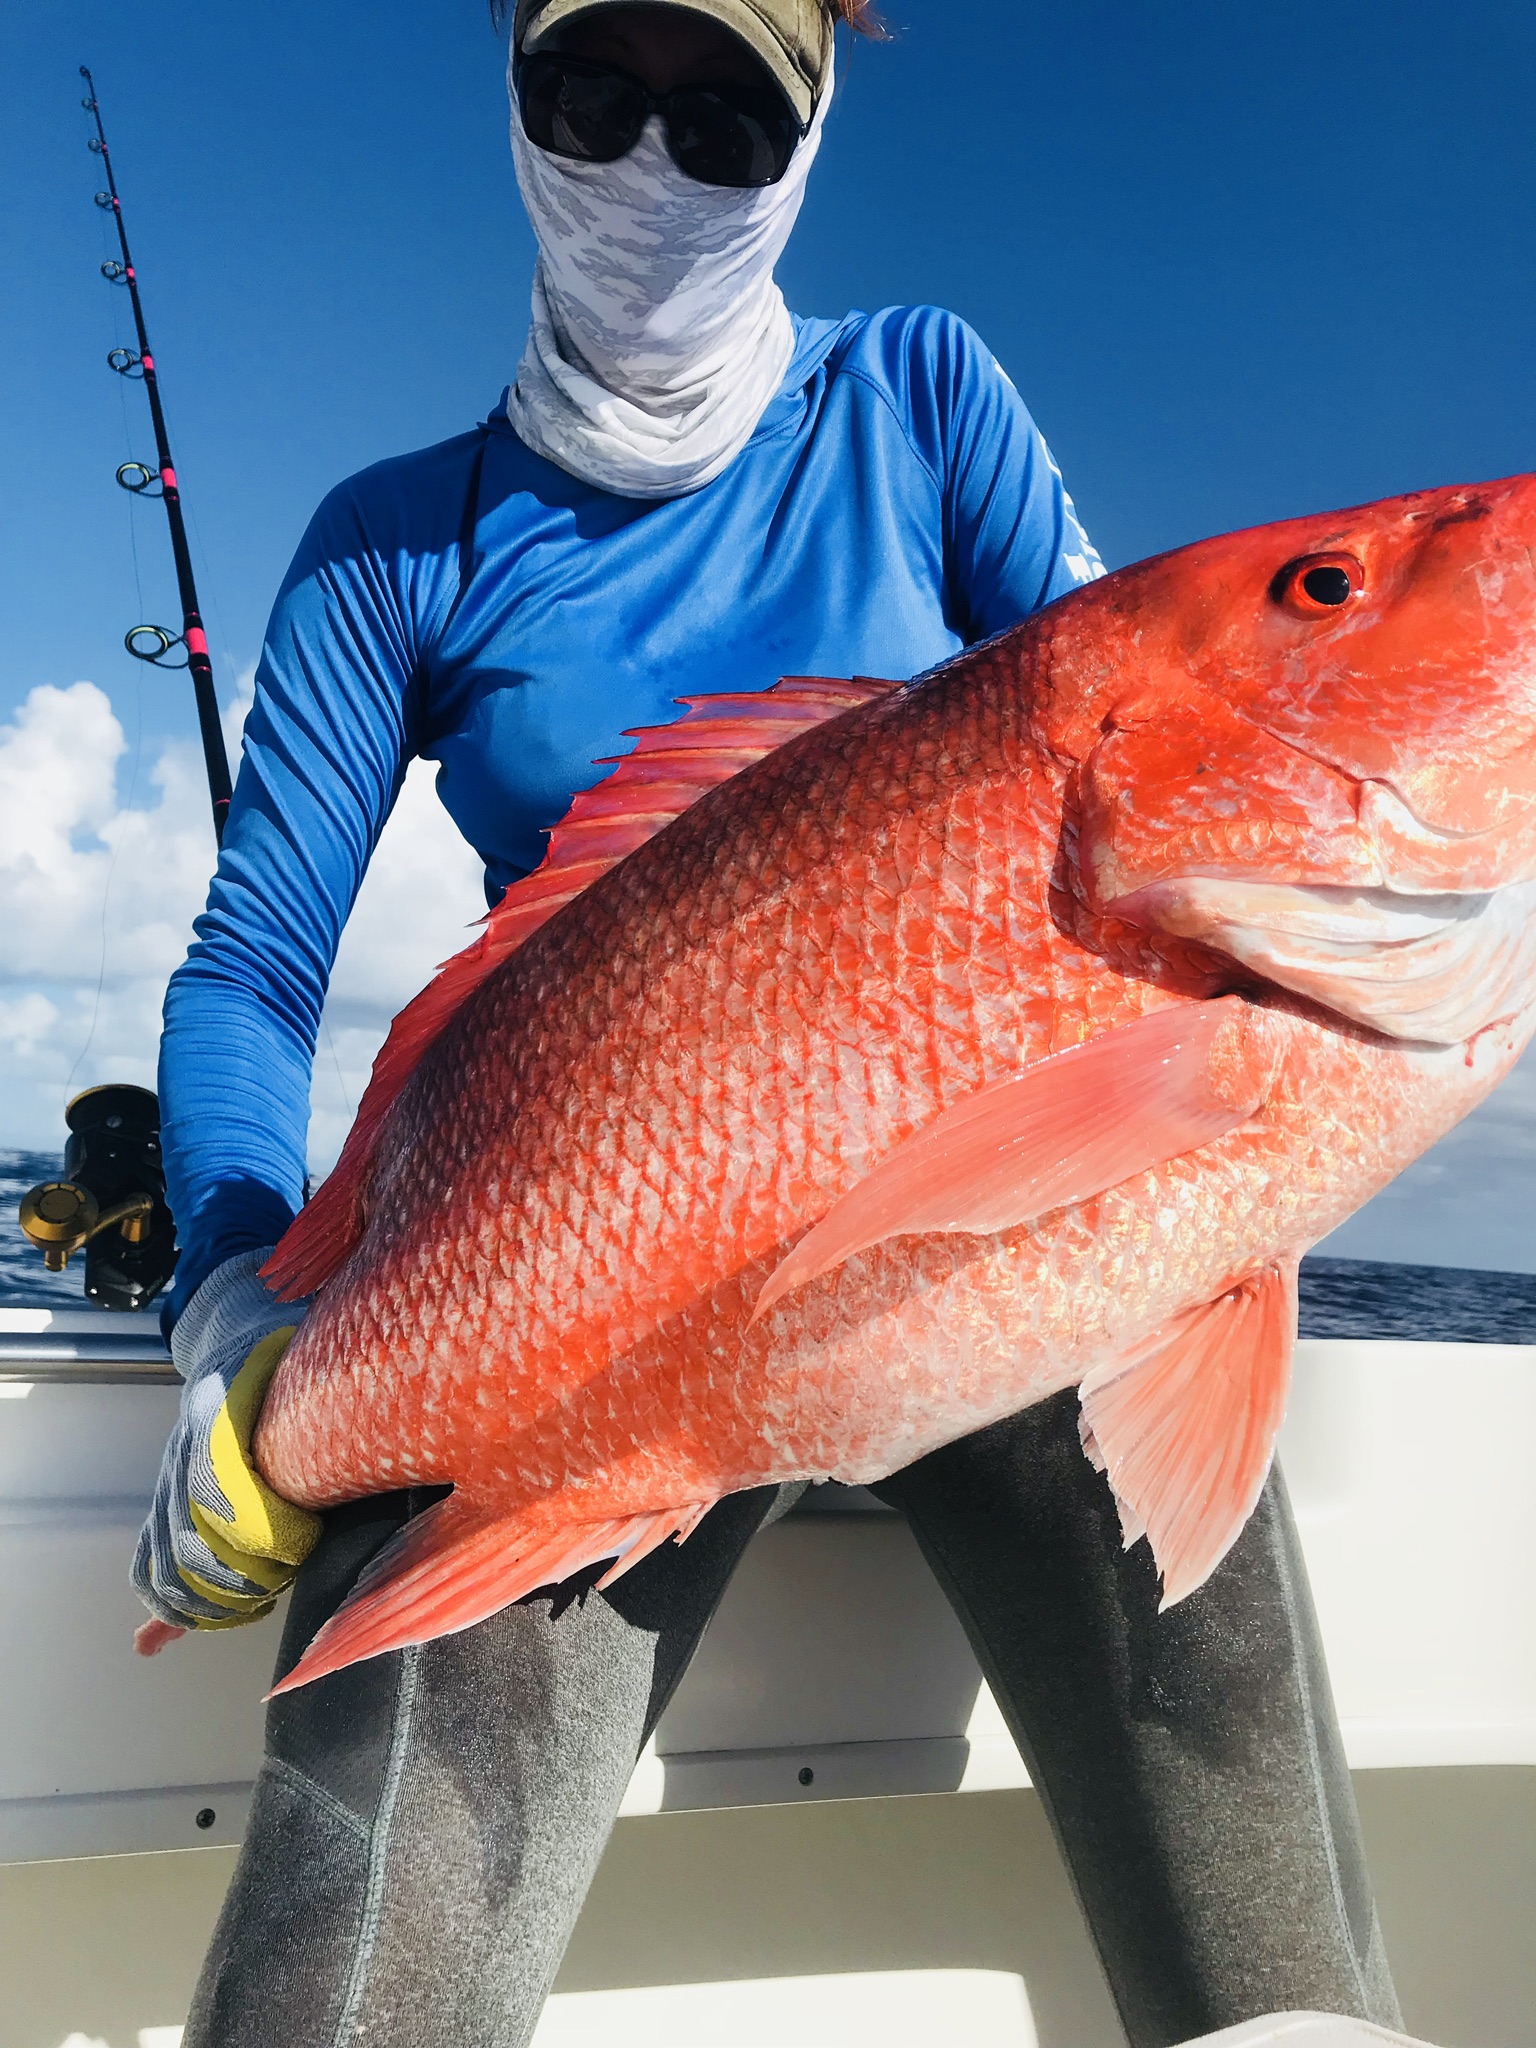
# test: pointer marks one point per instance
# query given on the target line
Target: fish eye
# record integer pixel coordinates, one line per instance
(1315, 585)
(1328, 584)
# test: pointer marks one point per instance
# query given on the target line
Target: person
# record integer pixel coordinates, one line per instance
(685, 489)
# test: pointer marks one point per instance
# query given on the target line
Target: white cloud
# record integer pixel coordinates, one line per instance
(98, 892)
(423, 891)
(27, 1023)
(95, 886)
(96, 898)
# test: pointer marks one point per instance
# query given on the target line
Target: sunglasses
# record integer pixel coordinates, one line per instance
(718, 134)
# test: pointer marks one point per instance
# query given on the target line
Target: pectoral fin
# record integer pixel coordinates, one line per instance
(1066, 1128)
(1185, 1428)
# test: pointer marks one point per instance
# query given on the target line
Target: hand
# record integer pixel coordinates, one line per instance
(220, 1545)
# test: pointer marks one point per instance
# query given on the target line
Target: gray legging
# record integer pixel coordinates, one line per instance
(426, 1825)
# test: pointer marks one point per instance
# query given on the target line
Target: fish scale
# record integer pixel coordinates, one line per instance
(853, 986)
(867, 1089)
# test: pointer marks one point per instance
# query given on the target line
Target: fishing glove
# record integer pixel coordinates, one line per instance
(220, 1545)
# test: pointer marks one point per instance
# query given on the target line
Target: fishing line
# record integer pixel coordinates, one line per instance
(133, 523)
(124, 827)
(115, 328)
(346, 1096)
(206, 566)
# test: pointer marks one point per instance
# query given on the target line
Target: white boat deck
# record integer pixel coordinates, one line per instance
(834, 1669)
(834, 1672)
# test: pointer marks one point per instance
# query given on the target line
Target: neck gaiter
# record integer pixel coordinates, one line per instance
(658, 335)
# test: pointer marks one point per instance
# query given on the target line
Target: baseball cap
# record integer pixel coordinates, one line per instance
(793, 38)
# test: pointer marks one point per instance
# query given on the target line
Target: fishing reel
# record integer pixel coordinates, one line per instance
(111, 1202)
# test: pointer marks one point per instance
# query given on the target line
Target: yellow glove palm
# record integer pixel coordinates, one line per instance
(219, 1545)
(263, 1535)
(252, 1531)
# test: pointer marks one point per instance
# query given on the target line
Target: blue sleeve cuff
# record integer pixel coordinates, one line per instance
(239, 1214)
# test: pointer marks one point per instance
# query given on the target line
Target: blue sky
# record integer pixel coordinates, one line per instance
(1243, 262)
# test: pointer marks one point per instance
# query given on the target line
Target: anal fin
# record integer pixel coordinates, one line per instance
(459, 1563)
(1185, 1427)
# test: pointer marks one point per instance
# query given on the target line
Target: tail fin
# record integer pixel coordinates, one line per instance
(670, 768)
(458, 1564)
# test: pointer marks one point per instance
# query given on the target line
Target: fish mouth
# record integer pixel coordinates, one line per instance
(1436, 969)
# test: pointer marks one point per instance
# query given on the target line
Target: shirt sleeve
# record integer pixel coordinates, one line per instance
(1012, 537)
(326, 746)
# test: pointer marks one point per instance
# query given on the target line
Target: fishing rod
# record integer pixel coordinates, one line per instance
(156, 644)
(111, 1203)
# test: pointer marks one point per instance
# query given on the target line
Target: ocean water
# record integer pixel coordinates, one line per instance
(1339, 1297)
(1421, 1304)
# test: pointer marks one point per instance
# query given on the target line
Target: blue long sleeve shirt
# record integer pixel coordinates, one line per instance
(475, 605)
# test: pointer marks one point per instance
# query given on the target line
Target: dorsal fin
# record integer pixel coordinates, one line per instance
(670, 768)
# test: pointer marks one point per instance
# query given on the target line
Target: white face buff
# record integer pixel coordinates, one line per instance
(658, 334)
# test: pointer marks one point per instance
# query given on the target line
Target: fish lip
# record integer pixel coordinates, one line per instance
(1435, 967)
(1342, 919)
